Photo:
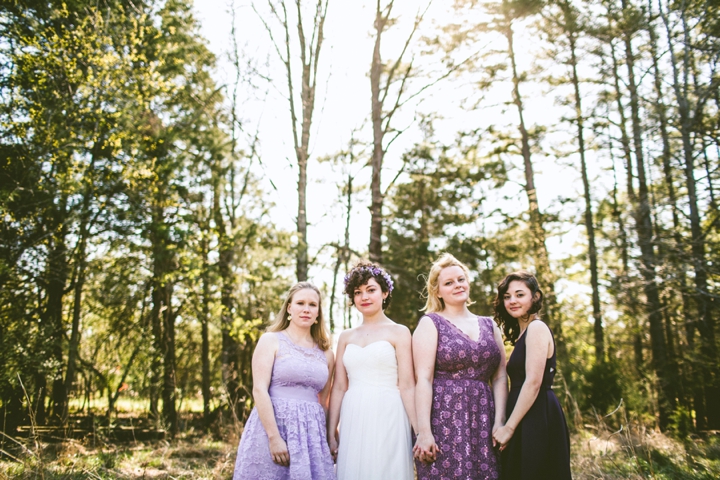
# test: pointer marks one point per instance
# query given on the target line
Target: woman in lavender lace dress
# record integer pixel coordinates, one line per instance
(285, 435)
(461, 381)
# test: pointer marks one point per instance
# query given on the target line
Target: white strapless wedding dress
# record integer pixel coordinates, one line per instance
(375, 440)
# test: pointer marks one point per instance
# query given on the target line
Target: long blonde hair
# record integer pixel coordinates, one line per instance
(318, 330)
(433, 302)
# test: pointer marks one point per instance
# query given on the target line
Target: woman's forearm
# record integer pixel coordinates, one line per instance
(500, 394)
(408, 398)
(423, 404)
(334, 413)
(528, 394)
(266, 412)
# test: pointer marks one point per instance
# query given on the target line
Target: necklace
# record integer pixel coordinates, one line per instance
(297, 342)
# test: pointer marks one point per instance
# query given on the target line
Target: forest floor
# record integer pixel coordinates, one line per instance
(619, 455)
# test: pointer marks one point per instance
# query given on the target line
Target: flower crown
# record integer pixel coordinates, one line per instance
(374, 271)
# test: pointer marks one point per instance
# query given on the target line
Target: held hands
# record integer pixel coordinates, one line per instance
(496, 427)
(425, 448)
(279, 451)
(502, 435)
(333, 443)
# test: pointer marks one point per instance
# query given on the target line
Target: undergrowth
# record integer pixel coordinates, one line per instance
(601, 450)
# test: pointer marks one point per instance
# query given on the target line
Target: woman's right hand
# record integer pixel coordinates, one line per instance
(333, 443)
(425, 448)
(279, 451)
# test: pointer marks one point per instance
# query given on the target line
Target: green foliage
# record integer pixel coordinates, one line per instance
(442, 207)
(603, 390)
(113, 138)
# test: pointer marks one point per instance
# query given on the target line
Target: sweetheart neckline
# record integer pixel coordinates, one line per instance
(371, 343)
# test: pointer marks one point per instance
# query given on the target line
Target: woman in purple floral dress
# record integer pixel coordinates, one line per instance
(461, 381)
(285, 435)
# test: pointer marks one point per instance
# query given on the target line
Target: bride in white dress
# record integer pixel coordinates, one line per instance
(373, 392)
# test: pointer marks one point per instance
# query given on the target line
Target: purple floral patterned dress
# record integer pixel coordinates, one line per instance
(463, 410)
(298, 376)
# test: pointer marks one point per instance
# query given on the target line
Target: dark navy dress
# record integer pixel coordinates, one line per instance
(540, 447)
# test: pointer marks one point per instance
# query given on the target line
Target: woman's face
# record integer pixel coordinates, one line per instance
(518, 299)
(304, 307)
(453, 286)
(368, 298)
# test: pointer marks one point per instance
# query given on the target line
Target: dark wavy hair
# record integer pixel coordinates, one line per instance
(510, 324)
(359, 275)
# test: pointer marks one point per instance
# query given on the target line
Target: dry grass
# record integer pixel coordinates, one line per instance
(184, 458)
(629, 453)
(633, 452)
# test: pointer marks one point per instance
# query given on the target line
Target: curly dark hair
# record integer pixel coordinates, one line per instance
(359, 275)
(510, 324)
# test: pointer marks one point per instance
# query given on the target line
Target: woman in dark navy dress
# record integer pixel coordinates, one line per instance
(534, 442)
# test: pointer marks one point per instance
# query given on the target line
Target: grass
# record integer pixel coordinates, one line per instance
(631, 452)
(184, 458)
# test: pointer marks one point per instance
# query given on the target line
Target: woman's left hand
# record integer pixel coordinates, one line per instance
(496, 427)
(502, 436)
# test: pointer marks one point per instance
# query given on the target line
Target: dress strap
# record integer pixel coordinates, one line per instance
(284, 343)
(488, 321)
(434, 317)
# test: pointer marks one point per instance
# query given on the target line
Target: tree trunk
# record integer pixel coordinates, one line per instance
(629, 300)
(226, 258)
(169, 371)
(38, 401)
(81, 267)
(378, 153)
(537, 228)
(571, 29)
(162, 320)
(633, 304)
(205, 321)
(343, 252)
(310, 48)
(708, 361)
(56, 285)
(644, 228)
(77, 311)
(677, 255)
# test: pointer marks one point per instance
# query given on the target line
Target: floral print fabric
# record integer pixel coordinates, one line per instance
(463, 410)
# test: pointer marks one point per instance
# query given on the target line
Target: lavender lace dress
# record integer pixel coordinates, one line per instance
(463, 410)
(298, 375)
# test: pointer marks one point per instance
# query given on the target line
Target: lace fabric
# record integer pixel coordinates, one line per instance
(463, 409)
(301, 422)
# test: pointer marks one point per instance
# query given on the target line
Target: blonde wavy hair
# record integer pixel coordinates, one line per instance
(433, 302)
(318, 331)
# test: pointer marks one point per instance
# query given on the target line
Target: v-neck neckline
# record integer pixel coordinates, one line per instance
(461, 331)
